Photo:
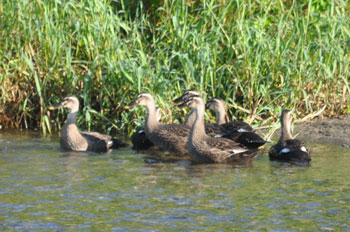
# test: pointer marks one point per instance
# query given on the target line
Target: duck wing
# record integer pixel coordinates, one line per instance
(214, 130)
(97, 142)
(236, 126)
(250, 139)
(224, 144)
(171, 137)
(95, 136)
(177, 129)
(244, 157)
(223, 150)
(291, 150)
(240, 135)
(298, 150)
(237, 131)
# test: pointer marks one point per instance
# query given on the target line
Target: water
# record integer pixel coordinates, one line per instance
(45, 189)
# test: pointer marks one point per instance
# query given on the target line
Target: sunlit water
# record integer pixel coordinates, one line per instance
(43, 188)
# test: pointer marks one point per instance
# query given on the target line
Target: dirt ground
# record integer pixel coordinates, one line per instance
(326, 130)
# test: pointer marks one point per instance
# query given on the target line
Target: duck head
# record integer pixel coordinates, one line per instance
(69, 102)
(215, 104)
(185, 96)
(143, 99)
(193, 102)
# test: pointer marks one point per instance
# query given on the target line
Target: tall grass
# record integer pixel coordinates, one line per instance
(259, 56)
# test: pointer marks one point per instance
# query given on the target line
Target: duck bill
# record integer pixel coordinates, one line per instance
(56, 106)
(131, 105)
(178, 100)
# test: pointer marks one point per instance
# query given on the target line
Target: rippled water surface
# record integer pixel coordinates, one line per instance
(43, 188)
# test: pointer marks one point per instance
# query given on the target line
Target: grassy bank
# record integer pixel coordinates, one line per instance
(257, 55)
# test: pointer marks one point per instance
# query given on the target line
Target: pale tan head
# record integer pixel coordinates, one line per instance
(143, 99)
(69, 102)
(216, 104)
(219, 107)
(186, 95)
(194, 102)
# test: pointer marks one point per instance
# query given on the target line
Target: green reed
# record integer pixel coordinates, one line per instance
(259, 56)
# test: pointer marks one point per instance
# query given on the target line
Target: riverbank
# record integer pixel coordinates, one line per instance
(334, 130)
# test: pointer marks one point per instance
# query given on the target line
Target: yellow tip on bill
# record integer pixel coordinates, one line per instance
(127, 107)
(51, 108)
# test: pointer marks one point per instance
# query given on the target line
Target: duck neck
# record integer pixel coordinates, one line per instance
(70, 129)
(285, 130)
(151, 118)
(220, 116)
(191, 117)
(72, 117)
(198, 129)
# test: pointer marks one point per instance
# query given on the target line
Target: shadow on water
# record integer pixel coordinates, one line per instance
(44, 188)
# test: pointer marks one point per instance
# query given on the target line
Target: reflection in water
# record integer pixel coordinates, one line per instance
(43, 188)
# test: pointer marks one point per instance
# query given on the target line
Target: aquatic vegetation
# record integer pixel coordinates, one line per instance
(256, 55)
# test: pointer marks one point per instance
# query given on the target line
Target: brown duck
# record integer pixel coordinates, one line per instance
(207, 149)
(168, 137)
(74, 140)
(237, 131)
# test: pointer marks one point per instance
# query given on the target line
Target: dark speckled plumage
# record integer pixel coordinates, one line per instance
(171, 137)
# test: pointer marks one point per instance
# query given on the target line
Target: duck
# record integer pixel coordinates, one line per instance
(219, 107)
(139, 139)
(238, 131)
(191, 117)
(289, 149)
(72, 139)
(168, 137)
(210, 128)
(206, 149)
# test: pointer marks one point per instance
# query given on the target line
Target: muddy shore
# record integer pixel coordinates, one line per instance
(334, 130)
